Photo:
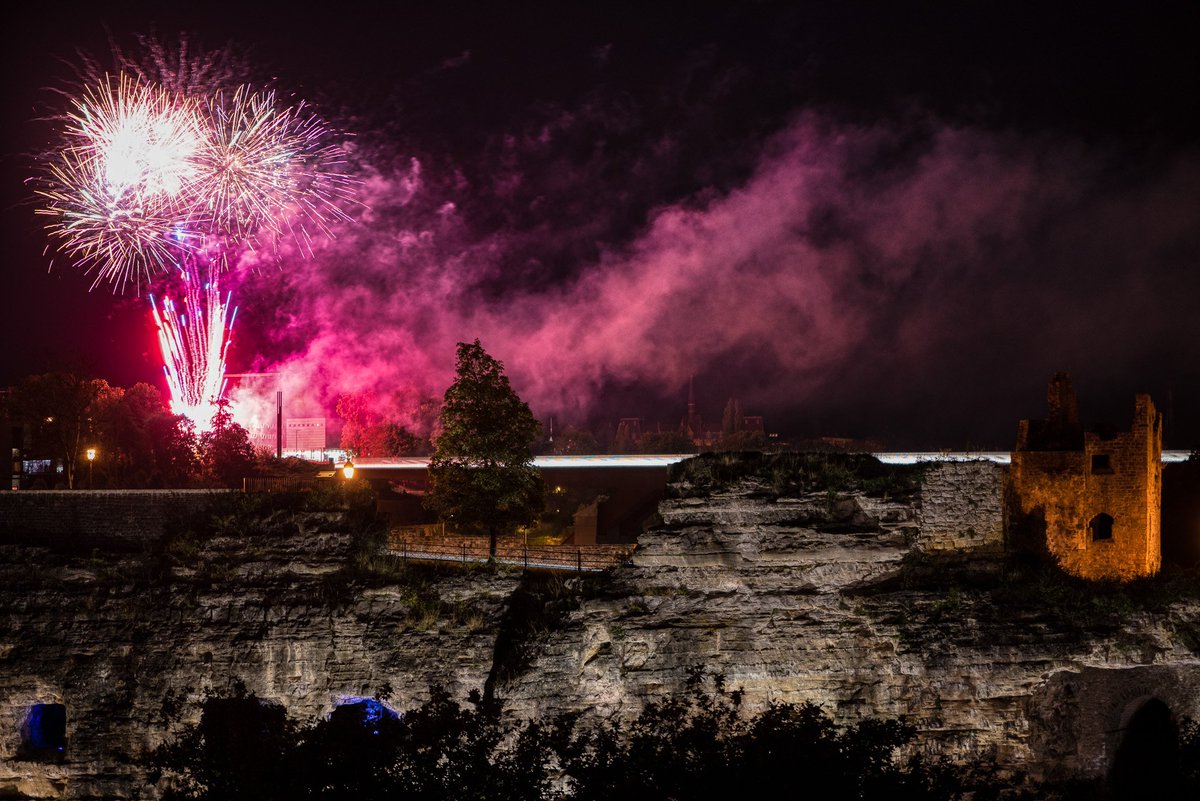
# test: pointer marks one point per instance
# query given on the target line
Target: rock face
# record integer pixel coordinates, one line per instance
(868, 603)
(121, 639)
(824, 599)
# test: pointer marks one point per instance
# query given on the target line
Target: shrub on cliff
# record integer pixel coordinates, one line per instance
(697, 745)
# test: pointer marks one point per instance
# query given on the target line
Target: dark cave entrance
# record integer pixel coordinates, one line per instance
(1146, 764)
(368, 714)
(44, 735)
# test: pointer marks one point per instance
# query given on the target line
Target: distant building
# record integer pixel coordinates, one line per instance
(304, 434)
(1092, 499)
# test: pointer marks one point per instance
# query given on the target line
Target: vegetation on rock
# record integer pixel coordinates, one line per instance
(697, 745)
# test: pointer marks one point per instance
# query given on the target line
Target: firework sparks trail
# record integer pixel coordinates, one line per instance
(194, 338)
(148, 174)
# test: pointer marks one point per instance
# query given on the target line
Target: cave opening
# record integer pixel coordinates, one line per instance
(1146, 764)
(44, 735)
(369, 714)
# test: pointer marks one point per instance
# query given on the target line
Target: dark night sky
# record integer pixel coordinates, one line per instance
(887, 220)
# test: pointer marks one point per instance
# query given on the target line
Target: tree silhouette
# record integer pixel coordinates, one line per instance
(225, 449)
(482, 471)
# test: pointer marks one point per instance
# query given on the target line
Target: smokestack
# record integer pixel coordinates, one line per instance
(279, 424)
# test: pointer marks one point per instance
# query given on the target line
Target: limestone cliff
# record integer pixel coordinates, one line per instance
(841, 599)
(123, 640)
(854, 594)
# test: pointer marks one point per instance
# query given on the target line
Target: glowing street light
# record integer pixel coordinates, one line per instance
(91, 457)
(348, 470)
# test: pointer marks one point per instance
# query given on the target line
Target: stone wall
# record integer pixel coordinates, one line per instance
(1064, 493)
(961, 507)
(130, 516)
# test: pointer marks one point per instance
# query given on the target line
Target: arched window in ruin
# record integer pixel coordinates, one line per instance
(44, 733)
(1146, 764)
(1101, 527)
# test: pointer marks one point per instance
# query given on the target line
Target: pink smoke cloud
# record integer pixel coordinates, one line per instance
(880, 248)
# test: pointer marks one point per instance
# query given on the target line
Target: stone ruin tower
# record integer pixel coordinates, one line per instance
(1094, 496)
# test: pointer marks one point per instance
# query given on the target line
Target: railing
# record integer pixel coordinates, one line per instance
(474, 550)
(250, 485)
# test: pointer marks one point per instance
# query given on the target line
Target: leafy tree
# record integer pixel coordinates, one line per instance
(141, 443)
(366, 433)
(665, 442)
(742, 441)
(59, 409)
(572, 440)
(225, 450)
(732, 421)
(696, 745)
(240, 749)
(482, 471)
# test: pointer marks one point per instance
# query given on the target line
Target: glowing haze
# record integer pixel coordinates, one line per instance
(857, 219)
(847, 246)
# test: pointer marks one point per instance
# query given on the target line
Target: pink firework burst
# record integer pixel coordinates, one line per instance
(162, 170)
(268, 170)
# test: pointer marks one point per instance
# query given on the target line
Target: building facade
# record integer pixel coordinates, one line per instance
(1092, 499)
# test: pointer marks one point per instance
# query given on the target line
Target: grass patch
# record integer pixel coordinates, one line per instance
(793, 474)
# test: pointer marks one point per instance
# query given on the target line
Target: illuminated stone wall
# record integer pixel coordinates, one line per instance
(961, 507)
(1067, 493)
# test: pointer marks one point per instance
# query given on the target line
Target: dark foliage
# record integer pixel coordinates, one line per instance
(225, 449)
(239, 750)
(793, 474)
(697, 745)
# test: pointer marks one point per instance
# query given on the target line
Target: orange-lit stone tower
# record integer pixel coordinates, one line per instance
(1099, 494)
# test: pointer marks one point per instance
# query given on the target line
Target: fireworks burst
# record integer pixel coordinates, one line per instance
(148, 174)
(119, 193)
(194, 337)
(267, 170)
(163, 167)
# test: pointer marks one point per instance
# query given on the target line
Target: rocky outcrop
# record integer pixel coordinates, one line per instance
(126, 641)
(825, 599)
(846, 597)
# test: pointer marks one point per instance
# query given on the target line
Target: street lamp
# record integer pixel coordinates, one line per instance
(348, 470)
(91, 457)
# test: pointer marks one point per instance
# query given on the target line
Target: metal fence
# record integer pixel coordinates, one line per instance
(474, 550)
(289, 484)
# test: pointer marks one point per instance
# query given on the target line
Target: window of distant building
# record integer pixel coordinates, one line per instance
(1101, 527)
(1101, 463)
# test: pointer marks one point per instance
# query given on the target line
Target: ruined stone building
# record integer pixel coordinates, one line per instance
(1093, 499)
